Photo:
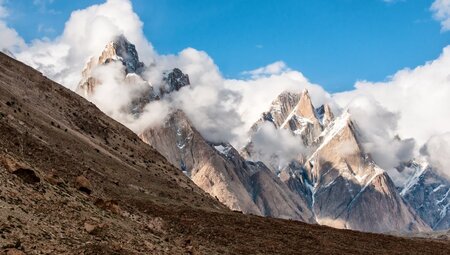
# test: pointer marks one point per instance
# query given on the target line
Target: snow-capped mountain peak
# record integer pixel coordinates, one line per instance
(120, 49)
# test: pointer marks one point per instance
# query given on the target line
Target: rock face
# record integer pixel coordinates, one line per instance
(350, 191)
(174, 81)
(343, 186)
(222, 172)
(428, 193)
(325, 114)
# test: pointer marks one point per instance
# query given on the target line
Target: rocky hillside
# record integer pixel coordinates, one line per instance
(75, 181)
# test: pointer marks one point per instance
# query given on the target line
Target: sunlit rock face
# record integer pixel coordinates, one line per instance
(219, 170)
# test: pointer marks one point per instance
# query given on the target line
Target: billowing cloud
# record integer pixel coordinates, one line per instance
(275, 147)
(415, 103)
(221, 109)
(441, 12)
(378, 127)
(411, 104)
(85, 35)
(437, 150)
(10, 39)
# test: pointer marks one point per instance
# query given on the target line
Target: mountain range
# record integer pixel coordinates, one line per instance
(331, 180)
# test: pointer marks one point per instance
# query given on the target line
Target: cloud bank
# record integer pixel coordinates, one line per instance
(398, 118)
(221, 109)
(417, 105)
(85, 35)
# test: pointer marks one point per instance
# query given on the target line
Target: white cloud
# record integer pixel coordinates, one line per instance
(10, 39)
(378, 128)
(3, 10)
(437, 149)
(275, 147)
(441, 12)
(417, 105)
(272, 69)
(85, 35)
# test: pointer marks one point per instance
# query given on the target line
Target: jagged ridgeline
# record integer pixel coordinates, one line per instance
(333, 181)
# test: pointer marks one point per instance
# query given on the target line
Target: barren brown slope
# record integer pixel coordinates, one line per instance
(139, 203)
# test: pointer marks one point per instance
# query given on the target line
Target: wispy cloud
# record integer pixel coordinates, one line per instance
(441, 12)
(46, 30)
(43, 6)
(271, 69)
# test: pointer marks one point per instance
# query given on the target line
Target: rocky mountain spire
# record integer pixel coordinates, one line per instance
(294, 112)
(118, 50)
(305, 107)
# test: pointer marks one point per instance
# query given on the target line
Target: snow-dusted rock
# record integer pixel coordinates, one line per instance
(428, 193)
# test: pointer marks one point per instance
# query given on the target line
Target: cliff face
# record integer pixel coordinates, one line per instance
(222, 172)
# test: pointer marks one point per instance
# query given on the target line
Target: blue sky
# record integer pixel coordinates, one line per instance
(332, 42)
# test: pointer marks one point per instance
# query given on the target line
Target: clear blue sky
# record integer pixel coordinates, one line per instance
(333, 42)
